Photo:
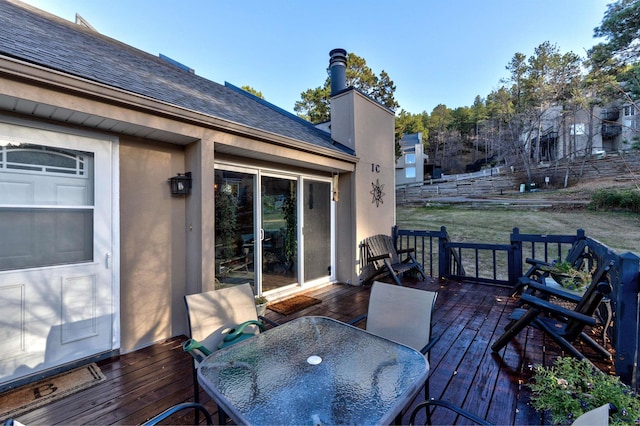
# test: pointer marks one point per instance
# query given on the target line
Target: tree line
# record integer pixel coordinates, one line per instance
(505, 122)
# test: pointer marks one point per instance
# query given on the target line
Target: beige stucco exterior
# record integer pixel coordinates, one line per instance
(367, 128)
(166, 245)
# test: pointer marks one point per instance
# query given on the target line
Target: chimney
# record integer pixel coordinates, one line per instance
(338, 67)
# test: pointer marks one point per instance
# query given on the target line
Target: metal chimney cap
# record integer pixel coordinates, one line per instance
(338, 56)
(338, 70)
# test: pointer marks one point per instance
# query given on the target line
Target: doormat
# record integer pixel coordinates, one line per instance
(293, 304)
(34, 395)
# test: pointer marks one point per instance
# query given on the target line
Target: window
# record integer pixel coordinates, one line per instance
(631, 124)
(629, 110)
(410, 159)
(42, 160)
(578, 129)
(46, 206)
(410, 172)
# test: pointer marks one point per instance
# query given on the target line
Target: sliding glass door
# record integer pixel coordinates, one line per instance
(316, 210)
(271, 229)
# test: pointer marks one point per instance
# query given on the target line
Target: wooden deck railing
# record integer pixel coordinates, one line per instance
(503, 264)
(483, 263)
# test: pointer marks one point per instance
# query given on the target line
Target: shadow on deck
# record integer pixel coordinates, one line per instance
(464, 371)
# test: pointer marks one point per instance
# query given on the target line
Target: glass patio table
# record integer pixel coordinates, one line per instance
(312, 371)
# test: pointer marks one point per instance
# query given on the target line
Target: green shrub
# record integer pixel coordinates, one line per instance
(610, 199)
(572, 387)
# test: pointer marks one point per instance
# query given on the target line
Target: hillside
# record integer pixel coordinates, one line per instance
(613, 171)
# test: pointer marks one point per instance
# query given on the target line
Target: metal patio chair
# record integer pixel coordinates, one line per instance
(177, 408)
(212, 314)
(401, 314)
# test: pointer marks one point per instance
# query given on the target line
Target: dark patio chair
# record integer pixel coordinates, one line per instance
(381, 253)
(557, 293)
(564, 325)
(539, 269)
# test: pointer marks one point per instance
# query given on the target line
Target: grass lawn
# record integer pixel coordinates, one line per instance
(619, 231)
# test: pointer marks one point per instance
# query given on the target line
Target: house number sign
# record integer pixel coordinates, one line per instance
(377, 187)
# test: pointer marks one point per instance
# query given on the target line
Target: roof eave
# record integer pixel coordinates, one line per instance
(23, 70)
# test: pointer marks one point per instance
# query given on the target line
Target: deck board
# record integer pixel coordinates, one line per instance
(468, 318)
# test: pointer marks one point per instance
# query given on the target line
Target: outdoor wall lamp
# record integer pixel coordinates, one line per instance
(181, 184)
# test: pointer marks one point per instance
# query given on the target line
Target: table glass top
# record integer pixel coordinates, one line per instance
(314, 370)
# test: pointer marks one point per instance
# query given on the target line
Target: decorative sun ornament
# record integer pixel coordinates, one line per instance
(377, 193)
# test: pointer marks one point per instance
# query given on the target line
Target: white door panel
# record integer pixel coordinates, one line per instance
(56, 289)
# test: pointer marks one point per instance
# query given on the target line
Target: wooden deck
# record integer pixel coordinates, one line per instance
(468, 317)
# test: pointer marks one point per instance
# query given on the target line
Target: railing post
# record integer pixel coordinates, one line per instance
(627, 320)
(444, 260)
(518, 259)
(394, 236)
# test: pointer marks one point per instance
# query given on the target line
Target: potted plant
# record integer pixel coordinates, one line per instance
(567, 276)
(290, 216)
(226, 207)
(261, 305)
(572, 387)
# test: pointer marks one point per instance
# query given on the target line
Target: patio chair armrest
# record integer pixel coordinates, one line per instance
(405, 250)
(379, 257)
(558, 310)
(196, 350)
(197, 355)
(438, 402)
(179, 407)
(536, 268)
(268, 321)
(550, 291)
(429, 345)
(536, 262)
(357, 320)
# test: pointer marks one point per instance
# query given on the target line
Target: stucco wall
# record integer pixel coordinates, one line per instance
(152, 226)
(368, 195)
(374, 138)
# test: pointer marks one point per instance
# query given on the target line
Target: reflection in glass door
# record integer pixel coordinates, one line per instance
(279, 232)
(234, 227)
(317, 229)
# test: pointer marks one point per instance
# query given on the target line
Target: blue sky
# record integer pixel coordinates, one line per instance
(435, 51)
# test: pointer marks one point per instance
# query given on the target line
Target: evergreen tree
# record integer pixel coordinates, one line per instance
(315, 106)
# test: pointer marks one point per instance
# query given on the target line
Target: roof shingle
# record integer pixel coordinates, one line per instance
(37, 37)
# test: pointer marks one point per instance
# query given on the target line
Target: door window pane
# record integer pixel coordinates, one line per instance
(280, 232)
(317, 229)
(44, 237)
(46, 206)
(234, 227)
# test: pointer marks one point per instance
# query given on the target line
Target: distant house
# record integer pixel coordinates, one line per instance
(410, 166)
(563, 134)
(128, 181)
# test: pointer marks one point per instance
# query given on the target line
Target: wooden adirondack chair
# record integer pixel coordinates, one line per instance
(538, 269)
(381, 253)
(563, 325)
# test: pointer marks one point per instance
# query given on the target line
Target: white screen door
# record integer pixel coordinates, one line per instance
(56, 278)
